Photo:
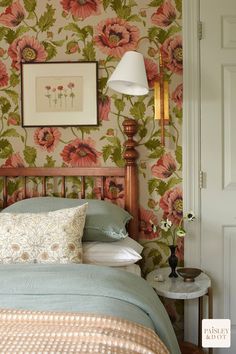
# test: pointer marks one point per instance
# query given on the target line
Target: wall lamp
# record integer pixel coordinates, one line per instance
(129, 78)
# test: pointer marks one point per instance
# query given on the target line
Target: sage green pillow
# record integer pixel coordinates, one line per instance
(105, 222)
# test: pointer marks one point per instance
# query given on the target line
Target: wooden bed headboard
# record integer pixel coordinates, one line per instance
(129, 172)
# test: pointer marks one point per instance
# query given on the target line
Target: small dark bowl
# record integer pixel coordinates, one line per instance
(189, 274)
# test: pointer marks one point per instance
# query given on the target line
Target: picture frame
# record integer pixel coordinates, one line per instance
(59, 94)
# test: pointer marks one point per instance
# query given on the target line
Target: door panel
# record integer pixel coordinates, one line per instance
(218, 155)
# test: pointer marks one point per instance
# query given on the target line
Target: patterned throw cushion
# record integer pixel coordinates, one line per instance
(53, 237)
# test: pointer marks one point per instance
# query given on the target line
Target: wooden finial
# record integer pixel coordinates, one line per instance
(131, 176)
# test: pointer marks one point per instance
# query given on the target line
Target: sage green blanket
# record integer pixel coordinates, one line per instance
(85, 288)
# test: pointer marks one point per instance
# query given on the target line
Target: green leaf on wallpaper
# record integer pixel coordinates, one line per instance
(106, 3)
(30, 154)
(142, 132)
(106, 152)
(178, 154)
(58, 43)
(178, 4)
(124, 12)
(5, 149)
(30, 5)
(162, 188)
(50, 162)
(47, 20)
(172, 30)
(102, 83)
(13, 95)
(116, 5)
(21, 30)
(14, 79)
(153, 33)
(87, 130)
(138, 110)
(132, 3)
(162, 35)
(5, 104)
(50, 49)
(134, 18)
(157, 153)
(152, 144)
(4, 3)
(88, 29)
(3, 32)
(155, 3)
(89, 51)
(119, 104)
(82, 33)
(117, 157)
(11, 35)
(31, 16)
(10, 133)
(113, 140)
(178, 113)
(12, 187)
(173, 181)
(152, 185)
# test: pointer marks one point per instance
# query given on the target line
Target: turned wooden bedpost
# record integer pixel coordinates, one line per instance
(131, 176)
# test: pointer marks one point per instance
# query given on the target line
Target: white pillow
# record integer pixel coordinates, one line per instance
(109, 254)
(129, 242)
(53, 237)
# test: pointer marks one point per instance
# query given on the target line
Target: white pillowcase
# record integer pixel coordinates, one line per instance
(113, 254)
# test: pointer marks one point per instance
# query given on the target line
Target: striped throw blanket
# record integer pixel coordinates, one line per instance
(62, 332)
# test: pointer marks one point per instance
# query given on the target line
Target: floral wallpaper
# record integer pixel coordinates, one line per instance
(101, 30)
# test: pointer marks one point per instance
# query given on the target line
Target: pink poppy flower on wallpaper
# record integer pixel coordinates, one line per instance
(177, 96)
(82, 9)
(164, 167)
(172, 204)
(146, 219)
(164, 15)
(81, 153)
(47, 138)
(114, 191)
(4, 78)
(13, 15)
(172, 54)
(104, 107)
(16, 196)
(115, 36)
(14, 160)
(152, 71)
(26, 49)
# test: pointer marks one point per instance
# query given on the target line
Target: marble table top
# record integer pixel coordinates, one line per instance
(176, 288)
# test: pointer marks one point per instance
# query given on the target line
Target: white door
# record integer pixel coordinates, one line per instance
(218, 155)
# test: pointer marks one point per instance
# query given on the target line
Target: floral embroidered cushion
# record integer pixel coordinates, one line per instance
(52, 237)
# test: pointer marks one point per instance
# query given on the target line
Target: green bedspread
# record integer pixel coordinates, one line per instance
(85, 288)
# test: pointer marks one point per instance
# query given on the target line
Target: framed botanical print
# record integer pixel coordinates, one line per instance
(59, 94)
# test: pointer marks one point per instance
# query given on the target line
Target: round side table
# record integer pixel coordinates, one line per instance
(176, 288)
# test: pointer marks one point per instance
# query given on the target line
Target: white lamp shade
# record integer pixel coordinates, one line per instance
(130, 77)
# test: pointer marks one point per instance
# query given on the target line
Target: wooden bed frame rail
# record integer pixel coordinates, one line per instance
(129, 172)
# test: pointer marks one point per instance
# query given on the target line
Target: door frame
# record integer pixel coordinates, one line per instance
(191, 150)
